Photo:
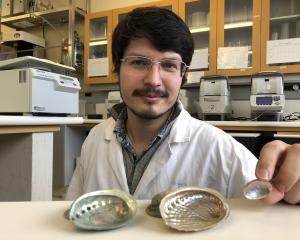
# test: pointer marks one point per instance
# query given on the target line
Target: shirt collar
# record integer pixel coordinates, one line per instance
(119, 113)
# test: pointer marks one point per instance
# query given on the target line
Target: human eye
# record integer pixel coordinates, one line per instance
(170, 66)
(138, 62)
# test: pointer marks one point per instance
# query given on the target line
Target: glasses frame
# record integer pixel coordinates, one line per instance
(183, 69)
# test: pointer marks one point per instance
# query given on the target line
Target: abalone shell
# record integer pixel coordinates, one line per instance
(193, 208)
(103, 210)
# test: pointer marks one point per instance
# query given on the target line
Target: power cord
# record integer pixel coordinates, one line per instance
(240, 118)
(258, 116)
(249, 119)
(295, 116)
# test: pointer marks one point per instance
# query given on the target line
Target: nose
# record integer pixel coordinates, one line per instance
(153, 77)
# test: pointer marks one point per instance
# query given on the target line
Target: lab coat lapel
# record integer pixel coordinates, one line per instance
(116, 158)
(180, 133)
(159, 159)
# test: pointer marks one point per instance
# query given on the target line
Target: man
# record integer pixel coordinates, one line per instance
(151, 143)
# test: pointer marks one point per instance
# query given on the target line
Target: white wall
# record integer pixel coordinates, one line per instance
(103, 5)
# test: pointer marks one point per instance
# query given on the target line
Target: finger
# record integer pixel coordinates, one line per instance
(293, 196)
(269, 156)
(289, 171)
(274, 196)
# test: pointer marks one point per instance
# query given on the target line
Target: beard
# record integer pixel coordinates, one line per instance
(148, 115)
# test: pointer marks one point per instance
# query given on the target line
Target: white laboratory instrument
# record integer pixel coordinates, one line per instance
(34, 62)
(114, 97)
(184, 98)
(214, 98)
(267, 98)
(188, 101)
(101, 110)
(34, 91)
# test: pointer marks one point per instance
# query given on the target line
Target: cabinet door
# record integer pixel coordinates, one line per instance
(280, 38)
(97, 43)
(200, 16)
(238, 37)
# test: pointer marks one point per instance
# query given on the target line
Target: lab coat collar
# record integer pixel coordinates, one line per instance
(181, 131)
(116, 154)
(109, 130)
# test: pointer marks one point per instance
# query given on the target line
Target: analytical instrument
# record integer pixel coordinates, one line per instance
(267, 98)
(32, 86)
(214, 98)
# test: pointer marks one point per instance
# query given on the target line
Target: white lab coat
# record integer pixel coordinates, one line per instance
(194, 154)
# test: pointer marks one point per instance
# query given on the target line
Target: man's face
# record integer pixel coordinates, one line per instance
(149, 93)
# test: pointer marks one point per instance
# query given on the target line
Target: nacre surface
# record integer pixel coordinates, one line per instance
(103, 210)
(193, 208)
(257, 189)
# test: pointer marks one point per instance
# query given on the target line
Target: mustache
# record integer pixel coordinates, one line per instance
(150, 91)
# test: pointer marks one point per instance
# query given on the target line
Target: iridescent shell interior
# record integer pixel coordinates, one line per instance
(103, 210)
(257, 189)
(193, 209)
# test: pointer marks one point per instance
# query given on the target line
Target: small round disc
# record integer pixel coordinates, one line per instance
(257, 189)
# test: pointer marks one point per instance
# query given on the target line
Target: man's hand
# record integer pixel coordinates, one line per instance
(280, 163)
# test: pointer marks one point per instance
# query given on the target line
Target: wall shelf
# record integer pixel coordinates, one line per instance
(238, 25)
(54, 16)
(285, 18)
(200, 29)
(98, 42)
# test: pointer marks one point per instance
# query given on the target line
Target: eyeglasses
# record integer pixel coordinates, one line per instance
(167, 67)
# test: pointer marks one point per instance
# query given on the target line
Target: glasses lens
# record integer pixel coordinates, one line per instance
(138, 63)
(170, 66)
